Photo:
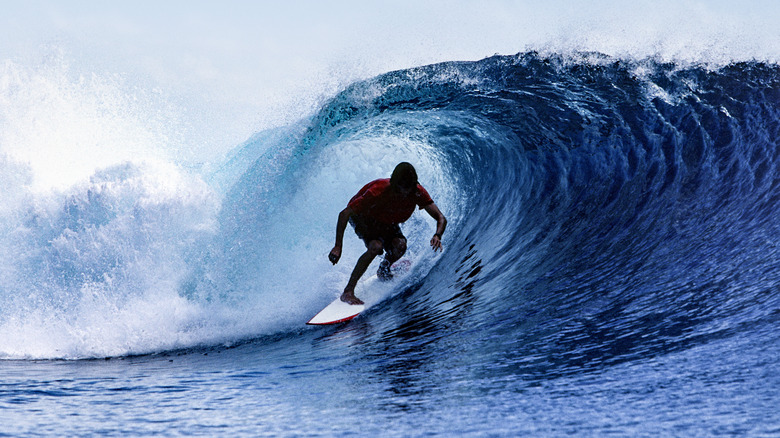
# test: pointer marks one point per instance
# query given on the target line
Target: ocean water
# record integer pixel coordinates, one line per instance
(610, 266)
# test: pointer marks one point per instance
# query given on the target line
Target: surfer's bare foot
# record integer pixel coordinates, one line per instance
(350, 298)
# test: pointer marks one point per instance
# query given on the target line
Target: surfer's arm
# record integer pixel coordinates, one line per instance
(441, 225)
(341, 225)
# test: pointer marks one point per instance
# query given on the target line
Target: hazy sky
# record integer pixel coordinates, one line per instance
(234, 67)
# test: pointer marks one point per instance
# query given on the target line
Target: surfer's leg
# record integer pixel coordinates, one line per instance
(374, 248)
(396, 250)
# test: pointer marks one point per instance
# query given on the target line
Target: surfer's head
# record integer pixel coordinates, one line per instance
(404, 178)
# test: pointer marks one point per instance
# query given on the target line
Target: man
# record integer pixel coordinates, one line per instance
(375, 212)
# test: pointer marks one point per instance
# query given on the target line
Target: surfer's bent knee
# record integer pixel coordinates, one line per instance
(375, 247)
(399, 246)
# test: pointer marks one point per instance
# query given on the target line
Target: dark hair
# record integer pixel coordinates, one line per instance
(404, 175)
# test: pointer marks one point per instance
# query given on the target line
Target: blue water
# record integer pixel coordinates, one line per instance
(610, 267)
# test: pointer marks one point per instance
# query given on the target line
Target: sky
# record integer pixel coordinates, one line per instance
(225, 70)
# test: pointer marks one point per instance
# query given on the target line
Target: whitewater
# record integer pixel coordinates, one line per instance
(610, 265)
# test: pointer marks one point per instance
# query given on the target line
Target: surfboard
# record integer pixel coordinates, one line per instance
(336, 312)
(339, 311)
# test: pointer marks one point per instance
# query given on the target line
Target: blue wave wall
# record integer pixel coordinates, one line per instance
(600, 210)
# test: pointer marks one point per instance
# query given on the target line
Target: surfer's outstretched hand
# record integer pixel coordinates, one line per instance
(335, 254)
(436, 243)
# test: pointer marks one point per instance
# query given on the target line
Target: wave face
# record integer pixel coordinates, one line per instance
(601, 211)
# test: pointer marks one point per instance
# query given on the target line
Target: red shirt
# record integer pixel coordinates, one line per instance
(380, 202)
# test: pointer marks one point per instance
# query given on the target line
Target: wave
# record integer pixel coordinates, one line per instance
(600, 210)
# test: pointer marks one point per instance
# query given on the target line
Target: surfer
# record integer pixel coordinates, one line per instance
(375, 212)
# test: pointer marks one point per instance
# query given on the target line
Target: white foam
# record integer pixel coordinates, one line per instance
(63, 127)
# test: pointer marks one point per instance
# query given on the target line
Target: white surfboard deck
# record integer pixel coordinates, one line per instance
(339, 311)
(336, 312)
